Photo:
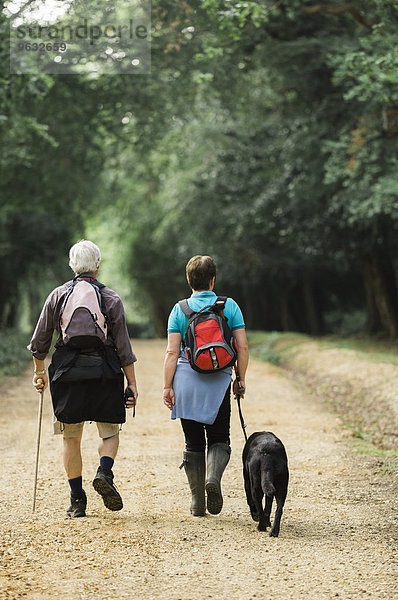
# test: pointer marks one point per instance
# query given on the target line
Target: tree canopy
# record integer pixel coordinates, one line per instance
(265, 135)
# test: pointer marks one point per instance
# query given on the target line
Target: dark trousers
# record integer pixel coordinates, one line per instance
(218, 432)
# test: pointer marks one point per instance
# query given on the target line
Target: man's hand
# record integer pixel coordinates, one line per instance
(40, 382)
(168, 397)
(131, 401)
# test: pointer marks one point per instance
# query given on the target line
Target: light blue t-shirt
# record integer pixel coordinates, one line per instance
(178, 322)
(198, 396)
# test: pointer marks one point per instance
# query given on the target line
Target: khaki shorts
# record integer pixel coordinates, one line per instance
(71, 430)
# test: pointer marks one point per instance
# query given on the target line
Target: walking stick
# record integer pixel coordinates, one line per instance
(240, 392)
(38, 442)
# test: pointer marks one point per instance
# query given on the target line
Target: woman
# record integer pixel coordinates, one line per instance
(202, 401)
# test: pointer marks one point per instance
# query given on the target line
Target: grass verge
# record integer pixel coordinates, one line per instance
(275, 346)
(387, 462)
(360, 403)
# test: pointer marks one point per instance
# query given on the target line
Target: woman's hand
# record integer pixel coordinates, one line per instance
(238, 387)
(170, 365)
(168, 397)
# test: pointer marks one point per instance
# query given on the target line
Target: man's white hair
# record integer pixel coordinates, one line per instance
(84, 257)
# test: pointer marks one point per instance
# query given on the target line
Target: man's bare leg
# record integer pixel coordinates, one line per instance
(109, 446)
(72, 457)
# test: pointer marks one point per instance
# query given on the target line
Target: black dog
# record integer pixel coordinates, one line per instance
(266, 474)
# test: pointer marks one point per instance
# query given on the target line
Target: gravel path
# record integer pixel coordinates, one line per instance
(338, 535)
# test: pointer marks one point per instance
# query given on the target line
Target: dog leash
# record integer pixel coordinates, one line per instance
(240, 391)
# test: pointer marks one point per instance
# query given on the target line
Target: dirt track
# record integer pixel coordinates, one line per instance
(338, 537)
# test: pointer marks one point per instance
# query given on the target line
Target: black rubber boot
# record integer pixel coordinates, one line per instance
(194, 464)
(217, 459)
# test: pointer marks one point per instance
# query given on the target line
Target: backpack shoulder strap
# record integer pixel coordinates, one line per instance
(188, 312)
(98, 287)
(89, 279)
(65, 298)
(66, 295)
(222, 299)
(97, 283)
(219, 305)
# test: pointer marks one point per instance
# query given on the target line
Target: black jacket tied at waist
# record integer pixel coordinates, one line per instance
(69, 364)
(87, 386)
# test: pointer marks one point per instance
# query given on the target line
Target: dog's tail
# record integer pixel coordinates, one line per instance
(266, 476)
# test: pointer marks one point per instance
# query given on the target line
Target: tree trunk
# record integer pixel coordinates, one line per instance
(381, 293)
(286, 286)
(286, 317)
(373, 323)
(12, 313)
(311, 306)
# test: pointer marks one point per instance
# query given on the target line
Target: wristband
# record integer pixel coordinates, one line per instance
(39, 372)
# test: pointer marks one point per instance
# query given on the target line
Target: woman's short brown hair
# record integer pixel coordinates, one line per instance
(200, 271)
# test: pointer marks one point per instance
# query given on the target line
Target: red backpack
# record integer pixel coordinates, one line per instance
(209, 343)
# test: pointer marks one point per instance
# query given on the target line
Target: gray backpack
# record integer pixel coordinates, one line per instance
(83, 319)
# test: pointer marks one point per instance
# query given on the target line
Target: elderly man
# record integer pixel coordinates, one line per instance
(85, 374)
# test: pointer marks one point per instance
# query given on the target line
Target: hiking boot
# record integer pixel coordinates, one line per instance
(217, 459)
(78, 505)
(103, 484)
(194, 464)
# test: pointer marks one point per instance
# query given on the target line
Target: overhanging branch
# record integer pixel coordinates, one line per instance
(337, 10)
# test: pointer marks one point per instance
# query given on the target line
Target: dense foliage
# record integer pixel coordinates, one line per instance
(266, 135)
